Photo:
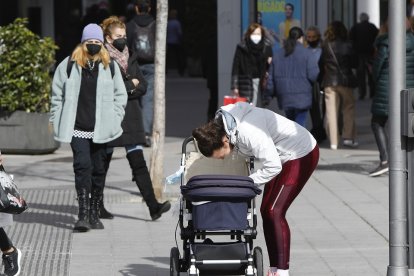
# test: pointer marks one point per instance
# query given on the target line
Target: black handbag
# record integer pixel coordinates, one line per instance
(11, 201)
(348, 81)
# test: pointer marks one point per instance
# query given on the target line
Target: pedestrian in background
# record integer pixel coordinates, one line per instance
(133, 136)
(317, 110)
(141, 39)
(338, 81)
(11, 255)
(175, 50)
(362, 36)
(379, 108)
(291, 74)
(87, 108)
(250, 64)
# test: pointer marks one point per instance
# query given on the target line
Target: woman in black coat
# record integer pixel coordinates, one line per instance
(133, 136)
(250, 64)
(338, 82)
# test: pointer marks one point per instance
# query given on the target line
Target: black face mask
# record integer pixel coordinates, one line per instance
(93, 49)
(119, 44)
(313, 44)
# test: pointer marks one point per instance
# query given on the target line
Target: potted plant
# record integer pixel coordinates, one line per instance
(25, 85)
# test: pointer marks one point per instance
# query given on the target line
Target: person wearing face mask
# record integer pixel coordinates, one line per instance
(291, 74)
(87, 108)
(133, 137)
(317, 110)
(251, 61)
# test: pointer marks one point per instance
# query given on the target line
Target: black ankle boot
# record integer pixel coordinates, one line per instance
(94, 220)
(162, 208)
(82, 225)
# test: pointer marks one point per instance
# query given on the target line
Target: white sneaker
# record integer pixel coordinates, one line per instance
(381, 169)
(334, 147)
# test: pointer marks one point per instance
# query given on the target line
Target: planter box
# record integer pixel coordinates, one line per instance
(26, 133)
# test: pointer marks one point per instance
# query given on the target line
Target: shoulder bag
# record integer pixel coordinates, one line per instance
(348, 81)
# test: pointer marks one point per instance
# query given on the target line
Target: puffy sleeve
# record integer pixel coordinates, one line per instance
(263, 148)
(59, 79)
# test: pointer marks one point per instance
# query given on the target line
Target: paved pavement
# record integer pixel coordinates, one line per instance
(339, 223)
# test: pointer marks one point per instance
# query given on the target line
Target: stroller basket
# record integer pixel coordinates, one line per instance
(221, 257)
(228, 197)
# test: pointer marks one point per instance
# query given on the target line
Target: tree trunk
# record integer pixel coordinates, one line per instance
(158, 133)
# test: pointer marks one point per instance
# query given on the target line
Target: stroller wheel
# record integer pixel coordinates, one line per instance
(174, 262)
(258, 261)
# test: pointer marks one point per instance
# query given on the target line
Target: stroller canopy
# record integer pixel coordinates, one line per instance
(220, 188)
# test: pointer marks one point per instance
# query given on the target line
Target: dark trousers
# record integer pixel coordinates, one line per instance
(363, 71)
(297, 115)
(317, 113)
(175, 56)
(5, 242)
(88, 164)
(380, 134)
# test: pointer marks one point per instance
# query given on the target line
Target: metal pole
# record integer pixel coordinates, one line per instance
(397, 176)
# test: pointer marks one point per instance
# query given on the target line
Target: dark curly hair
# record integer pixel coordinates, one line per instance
(209, 137)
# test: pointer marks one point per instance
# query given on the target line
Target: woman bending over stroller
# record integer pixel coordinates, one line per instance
(288, 153)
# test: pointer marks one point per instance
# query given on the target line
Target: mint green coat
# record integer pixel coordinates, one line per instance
(111, 99)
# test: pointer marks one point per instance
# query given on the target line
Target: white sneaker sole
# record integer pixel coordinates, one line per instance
(19, 257)
(378, 173)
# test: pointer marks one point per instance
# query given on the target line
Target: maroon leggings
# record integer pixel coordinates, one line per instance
(278, 194)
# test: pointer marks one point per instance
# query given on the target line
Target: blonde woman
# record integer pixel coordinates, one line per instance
(87, 109)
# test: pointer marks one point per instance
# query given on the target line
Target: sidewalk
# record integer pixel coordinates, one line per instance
(339, 223)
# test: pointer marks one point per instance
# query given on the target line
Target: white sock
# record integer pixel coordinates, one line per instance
(283, 272)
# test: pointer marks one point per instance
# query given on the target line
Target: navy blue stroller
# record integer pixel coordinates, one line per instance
(217, 218)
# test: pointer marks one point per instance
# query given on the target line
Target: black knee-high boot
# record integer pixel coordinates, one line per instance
(144, 183)
(82, 225)
(96, 197)
(103, 213)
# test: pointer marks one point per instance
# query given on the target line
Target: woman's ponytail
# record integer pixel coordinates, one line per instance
(290, 43)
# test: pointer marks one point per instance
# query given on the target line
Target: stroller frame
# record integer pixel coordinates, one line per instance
(250, 261)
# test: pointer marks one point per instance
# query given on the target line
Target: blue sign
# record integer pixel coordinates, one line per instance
(278, 17)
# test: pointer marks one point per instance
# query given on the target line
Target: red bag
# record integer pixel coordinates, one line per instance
(233, 99)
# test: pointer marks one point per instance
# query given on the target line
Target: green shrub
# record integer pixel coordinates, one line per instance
(25, 62)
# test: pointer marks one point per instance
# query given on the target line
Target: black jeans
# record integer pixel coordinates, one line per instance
(88, 163)
(381, 137)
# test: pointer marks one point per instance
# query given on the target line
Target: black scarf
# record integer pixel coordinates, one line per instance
(257, 53)
(255, 49)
